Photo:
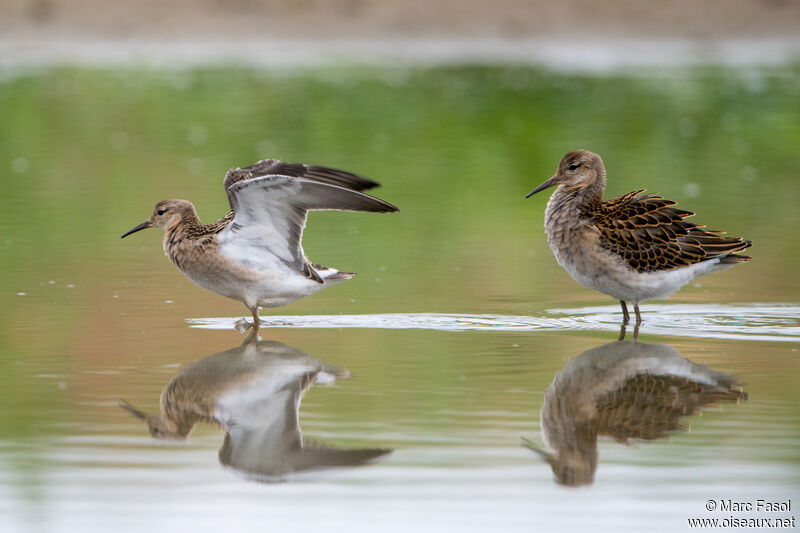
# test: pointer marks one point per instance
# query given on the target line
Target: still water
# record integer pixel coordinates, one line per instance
(461, 382)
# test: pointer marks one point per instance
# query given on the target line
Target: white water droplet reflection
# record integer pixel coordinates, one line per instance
(20, 165)
(692, 190)
(119, 140)
(749, 173)
(198, 135)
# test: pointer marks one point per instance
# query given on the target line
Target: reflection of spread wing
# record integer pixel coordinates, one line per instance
(317, 457)
(649, 406)
(649, 234)
(331, 176)
(270, 215)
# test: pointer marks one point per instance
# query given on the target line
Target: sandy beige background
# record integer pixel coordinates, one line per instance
(312, 19)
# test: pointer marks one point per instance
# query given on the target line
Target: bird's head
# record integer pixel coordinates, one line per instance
(573, 467)
(166, 214)
(159, 427)
(578, 169)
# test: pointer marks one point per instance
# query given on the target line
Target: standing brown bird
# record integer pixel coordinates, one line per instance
(636, 247)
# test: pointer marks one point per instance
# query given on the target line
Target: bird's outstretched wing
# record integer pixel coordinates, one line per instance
(649, 234)
(266, 167)
(270, 215)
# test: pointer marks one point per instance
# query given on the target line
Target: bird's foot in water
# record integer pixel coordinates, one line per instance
(243, 325)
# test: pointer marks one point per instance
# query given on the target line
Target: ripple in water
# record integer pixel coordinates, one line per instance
(762, 322)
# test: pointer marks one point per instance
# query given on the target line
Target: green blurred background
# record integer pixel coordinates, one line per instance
(87, 153)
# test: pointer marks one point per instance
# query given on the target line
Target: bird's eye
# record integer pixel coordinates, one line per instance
(574, 166)
(161, 211)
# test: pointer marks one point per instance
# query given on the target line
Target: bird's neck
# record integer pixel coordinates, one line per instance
(177, 419)
(594, 192)
(571, 198)
(179, 237)
(188, 225)
(564, 218)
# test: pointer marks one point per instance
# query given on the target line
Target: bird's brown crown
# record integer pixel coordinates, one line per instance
(167, 213)
(580, 168)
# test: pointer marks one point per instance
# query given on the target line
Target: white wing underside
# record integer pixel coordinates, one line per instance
(270, 214)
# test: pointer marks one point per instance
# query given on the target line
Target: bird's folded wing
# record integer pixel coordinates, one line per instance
(270, 214)
(650, 406)
(649, 234)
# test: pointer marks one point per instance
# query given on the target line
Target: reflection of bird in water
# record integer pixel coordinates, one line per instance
(253, 392)
(633, 248)
(624, 390)
(254, 253)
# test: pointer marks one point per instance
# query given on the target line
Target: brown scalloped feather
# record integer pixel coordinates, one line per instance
(650, 235)
(649, 407)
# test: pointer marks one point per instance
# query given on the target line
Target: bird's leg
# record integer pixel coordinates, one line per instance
(256, 321)
(626, 317)
(251, 336)
(638, 321)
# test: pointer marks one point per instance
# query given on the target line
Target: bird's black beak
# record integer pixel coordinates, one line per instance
(132, 410)
(144, 225)
(547, 457)
(543, 186)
